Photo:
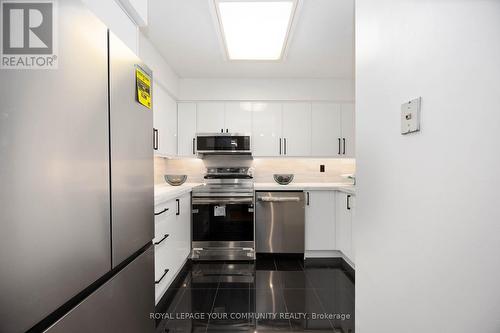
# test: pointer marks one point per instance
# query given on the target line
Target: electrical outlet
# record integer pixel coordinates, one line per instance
(410, 116)
(321, 168)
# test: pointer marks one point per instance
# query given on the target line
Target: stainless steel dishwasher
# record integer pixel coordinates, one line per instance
(279, 222)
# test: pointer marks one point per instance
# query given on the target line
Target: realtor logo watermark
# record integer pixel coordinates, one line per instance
(29, 34)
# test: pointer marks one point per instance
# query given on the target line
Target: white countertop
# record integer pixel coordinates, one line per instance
(343, 187)
(165, 192)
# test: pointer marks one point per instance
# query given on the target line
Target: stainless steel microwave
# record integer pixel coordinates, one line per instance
(223, 144)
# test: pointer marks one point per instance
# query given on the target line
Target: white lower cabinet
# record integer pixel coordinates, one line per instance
(172, 240)
(344, 220)
(320, 221)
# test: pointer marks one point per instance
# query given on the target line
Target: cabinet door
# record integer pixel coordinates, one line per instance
(183, 227)
(343, 225)
(186, 115)
(352, 205)
(297, 129)
(238, 117)
(326, 129)
(210, 117)
(348, 130)
(320, 220)
(165, 121)
(266, 129)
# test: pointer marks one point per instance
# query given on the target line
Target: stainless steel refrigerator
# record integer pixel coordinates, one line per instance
(76, 188)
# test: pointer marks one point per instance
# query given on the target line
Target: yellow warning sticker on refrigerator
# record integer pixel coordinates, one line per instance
(143, 82)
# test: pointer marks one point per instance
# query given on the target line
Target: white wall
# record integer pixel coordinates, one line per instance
(427, 229)
(162, 72)
(341, 90)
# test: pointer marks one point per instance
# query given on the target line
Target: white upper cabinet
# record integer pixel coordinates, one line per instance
(326, 130)
(320, 221)
(297, 129)
(290, 129)
(210, 117)
(266, 129)
(165, 121)
(348, 130)
(238, 117)
(186, 113)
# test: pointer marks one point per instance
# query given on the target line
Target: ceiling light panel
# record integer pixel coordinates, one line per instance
(255, 30)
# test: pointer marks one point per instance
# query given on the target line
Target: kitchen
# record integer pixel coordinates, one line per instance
(248, 166)
(237, 134)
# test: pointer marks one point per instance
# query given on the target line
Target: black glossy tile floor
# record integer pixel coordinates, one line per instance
(270, 294)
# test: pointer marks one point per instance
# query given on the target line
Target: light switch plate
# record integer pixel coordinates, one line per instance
(410, 116)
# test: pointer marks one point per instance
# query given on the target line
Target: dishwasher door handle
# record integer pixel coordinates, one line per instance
(279, 199)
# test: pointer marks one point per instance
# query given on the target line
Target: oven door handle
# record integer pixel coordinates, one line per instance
(279, 199)
(208, 201)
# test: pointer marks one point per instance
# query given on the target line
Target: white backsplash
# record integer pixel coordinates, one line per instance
(304, 169)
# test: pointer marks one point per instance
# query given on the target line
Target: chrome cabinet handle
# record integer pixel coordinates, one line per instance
(344, 144)
(348, 202)
(161, 240)
(163, 211)
(280, 146)
(178, 207)
(162, 276)
(339, 146)
(194, 141)
(284, 140)
(307, 193)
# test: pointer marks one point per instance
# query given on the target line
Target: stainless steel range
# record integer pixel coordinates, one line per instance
(223, 215)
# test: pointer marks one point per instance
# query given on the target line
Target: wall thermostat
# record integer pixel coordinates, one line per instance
(410, 116)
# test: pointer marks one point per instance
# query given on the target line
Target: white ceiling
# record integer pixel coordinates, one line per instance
(321, 44)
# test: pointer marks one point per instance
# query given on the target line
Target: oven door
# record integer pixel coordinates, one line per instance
(223, 144)
(223, 222)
